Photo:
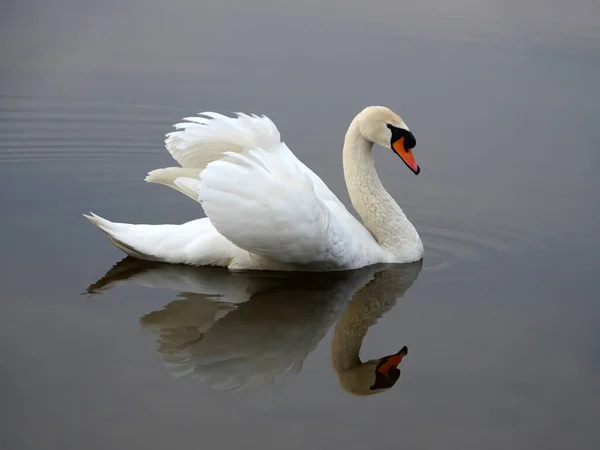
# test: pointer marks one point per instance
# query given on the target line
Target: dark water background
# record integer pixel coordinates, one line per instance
(502, 321)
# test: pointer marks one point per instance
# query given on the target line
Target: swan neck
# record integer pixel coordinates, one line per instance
(380, 213)
(347, 340)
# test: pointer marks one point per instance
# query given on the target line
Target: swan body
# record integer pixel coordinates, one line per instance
(266, 210)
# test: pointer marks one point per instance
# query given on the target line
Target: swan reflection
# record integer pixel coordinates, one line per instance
(245, 330)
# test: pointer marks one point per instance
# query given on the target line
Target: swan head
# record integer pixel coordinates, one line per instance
(384, 127)
(374, 376)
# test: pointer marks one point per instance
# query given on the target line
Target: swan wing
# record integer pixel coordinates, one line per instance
(205, 138)
(263, 203)
(259, 195)
(209, 136)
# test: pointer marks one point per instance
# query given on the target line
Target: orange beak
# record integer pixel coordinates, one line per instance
(392, 361)
(407, 155)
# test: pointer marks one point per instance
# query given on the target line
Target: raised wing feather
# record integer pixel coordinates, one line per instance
(202, 140)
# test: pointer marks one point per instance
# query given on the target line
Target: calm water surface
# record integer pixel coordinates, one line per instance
(501, 320)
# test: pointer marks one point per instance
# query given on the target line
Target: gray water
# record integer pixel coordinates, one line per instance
(501, 320)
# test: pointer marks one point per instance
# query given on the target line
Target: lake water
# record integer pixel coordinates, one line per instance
(502, 319)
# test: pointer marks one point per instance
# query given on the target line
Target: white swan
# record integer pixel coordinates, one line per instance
(266, 210)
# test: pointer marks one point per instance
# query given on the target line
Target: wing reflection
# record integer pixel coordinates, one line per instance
(245, 330)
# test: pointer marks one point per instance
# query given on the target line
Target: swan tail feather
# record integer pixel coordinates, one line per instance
(105, 225)
(196, 242)
(111, 229)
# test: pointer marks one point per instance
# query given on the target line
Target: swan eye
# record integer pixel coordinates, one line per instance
(397, 133)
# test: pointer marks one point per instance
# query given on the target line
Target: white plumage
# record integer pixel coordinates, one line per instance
(265, 209)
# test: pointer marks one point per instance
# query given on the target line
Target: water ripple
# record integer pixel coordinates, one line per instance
(36, 130)
(467, 249)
